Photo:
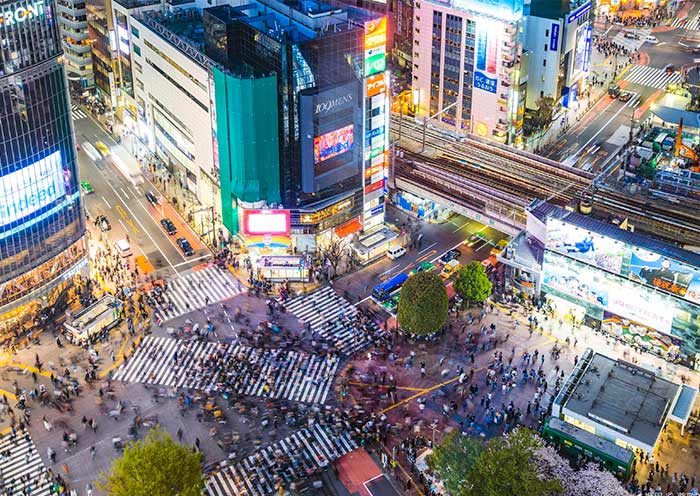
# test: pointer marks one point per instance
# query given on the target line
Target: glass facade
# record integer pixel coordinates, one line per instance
(41, 218)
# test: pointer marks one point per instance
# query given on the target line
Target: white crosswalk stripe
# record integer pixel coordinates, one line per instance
(194, 288)
(691, 24)
(290, 375)
(332, 317)
(77, 113)
(651, 76)
(631, 44)
(19, 458)
(283, 462)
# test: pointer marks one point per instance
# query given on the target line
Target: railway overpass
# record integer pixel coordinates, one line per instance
(494, 184)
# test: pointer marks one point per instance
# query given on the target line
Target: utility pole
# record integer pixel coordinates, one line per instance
(427, 119)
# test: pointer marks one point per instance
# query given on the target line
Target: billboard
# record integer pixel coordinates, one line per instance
(266, 222)
(375, 46)
(663, 273)
(500, 9)
(485, 91)
(581, 49)
(584, 245)
(31, 188)
(332, 144)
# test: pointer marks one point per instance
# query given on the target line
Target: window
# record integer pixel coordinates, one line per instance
(545, 47)
(541, 94)
(137, 50)
(546, 33)
(134, 31)
(544, 63)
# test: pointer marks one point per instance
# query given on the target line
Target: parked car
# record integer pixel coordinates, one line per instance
(450, 255)
(185, 247)
(168, 226)
(396, 252)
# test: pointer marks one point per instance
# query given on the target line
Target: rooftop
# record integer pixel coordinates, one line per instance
(555, 9)
(623, 397)
(543, 210)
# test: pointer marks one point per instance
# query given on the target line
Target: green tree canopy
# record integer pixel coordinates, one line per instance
(472, 283)
(505, 465)
(423, 305)
(155, 465)
(454, 459)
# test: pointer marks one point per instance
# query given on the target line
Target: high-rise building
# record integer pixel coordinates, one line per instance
(77, 56)
(100, 20)
(557, 45)
(269, 106)
(466, 66)
(42, 227)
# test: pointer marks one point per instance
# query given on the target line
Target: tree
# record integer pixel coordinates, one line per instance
(542, 116)
(506, 466)
(156, 465)
(333, 251)
(472, 283)
(454, 459)
(423, 305)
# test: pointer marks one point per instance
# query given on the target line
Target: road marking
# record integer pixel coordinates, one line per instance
(132, 225)
(603, 126)
(426, 249)
(146, 231)
(121, 211)
(453, 248)
(125, 194)
(105, 200)
(426, 256)
(389, 269)
(462, 226)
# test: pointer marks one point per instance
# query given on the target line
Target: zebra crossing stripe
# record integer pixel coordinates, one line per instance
(193, 288)
(331, 316)
(22, 459)
(290, 375)
(255, 475)
(651, 76)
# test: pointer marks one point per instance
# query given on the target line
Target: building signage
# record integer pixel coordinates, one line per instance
(554, 37)
(22, 13)
(587, 54)
(333, 103)
(375, 46)
(580, 12)
(483, 82)
(31, 188)
(266, 222)
(375, 85)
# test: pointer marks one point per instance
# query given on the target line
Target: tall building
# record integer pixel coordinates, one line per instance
(42, 243)
(274, 113)
(466, 66)
(100, 21)
(557, 45)
(77, 56)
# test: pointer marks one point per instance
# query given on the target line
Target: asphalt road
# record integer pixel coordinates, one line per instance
(127, 209)
(605, 129)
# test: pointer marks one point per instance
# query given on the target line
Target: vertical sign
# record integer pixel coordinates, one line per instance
(554, 37)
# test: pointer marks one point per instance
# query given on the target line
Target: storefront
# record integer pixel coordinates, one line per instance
(422, 208)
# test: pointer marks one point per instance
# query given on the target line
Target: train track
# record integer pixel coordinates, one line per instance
(511, 178)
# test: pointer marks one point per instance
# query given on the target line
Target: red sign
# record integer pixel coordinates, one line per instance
(376, 85)
(374, 186)
(266, 222)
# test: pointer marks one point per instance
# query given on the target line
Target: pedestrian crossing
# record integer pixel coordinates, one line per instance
(332, 317)
(692, 24)
(193, 290)
(21, 469)
(77, 113)
(281, 463)
(276, 374)
(631, 43)
(651, 76)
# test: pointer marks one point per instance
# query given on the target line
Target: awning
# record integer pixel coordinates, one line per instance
(673, 116)
(349, 227)
(684, 404)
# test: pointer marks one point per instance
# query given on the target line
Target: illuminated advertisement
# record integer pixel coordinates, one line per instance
(580, 55)
(21, 13)
(609, 292)
(266, 222)
(500, 9)
(584, 245)
(644, 337)
(663, 273)
(485, 92)
(332, 144)
(27, 190)
(375, 46)
(375, 85)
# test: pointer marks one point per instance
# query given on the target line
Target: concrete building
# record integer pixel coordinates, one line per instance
(77, 56)
(621, 402)
(466, 66)
(100, 21)
(557, 46)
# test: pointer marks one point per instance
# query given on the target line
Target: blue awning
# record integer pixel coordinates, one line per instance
(684, 404)
(672, 115)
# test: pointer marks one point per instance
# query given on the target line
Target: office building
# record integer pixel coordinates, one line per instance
(557, 45)
(100, 21)
(42, 244)
(274, 113)
(77, 56)
(466, 66)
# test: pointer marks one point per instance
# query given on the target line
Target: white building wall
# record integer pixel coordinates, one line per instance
(544, 43)
(175, 92)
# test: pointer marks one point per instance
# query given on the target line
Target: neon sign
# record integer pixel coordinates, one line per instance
(22, 13)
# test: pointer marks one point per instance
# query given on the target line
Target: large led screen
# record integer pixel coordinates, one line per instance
(31, 188)
(663, 273)
(332, 144)
(584, 245)
(266, 222)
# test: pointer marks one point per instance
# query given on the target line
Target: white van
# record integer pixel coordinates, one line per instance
(653, 40)
(395, 252)
(123, 247)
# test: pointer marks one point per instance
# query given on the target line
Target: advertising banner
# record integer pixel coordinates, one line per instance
(31, 188)
(659, 272)
(332, 144)
(554, 37)
(487, 58)
(266, 222)
(589, 247)
(375, 46)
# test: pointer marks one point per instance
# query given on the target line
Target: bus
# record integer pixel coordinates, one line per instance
(382, 292)
(94, 321)
(579, 443)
